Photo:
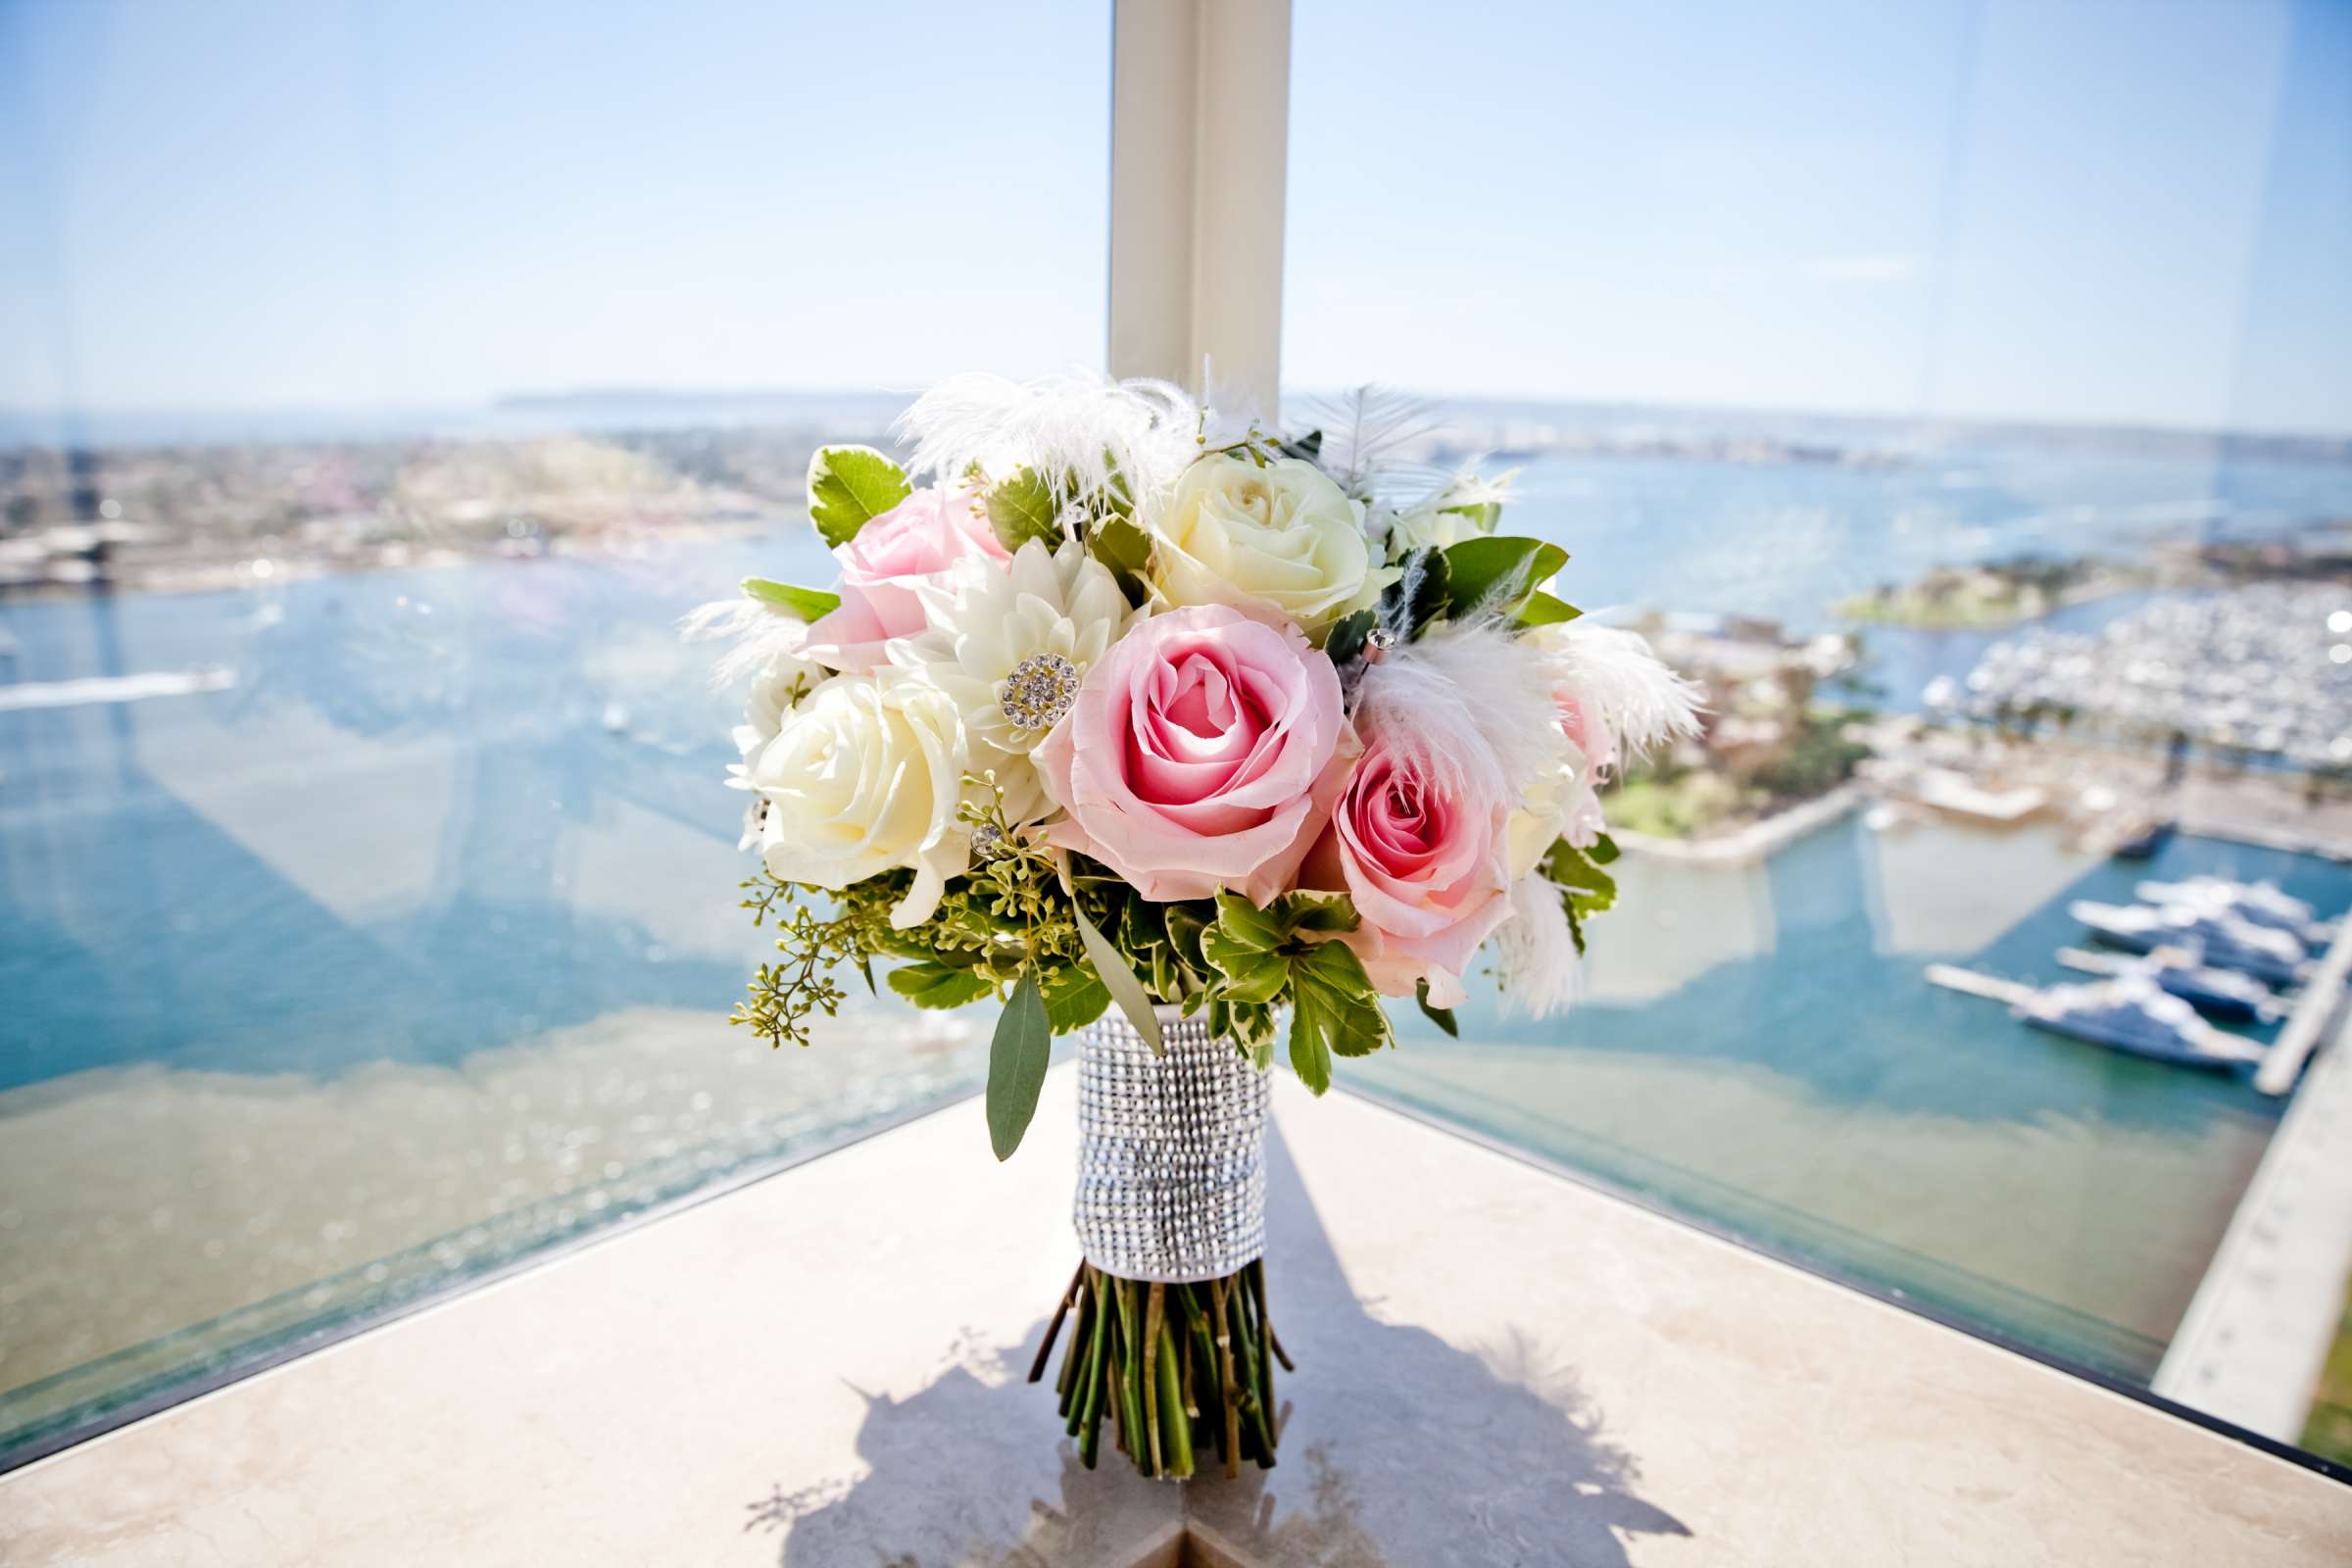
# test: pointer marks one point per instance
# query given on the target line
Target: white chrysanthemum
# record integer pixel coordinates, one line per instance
(1009, 648)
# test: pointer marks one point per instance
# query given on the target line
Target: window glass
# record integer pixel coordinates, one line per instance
(382, 382)
(1961, 393)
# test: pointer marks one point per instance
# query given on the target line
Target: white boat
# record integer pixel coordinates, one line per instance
(2130, 1014)
(2222, 941)
(2256, 903)
(2219, 992)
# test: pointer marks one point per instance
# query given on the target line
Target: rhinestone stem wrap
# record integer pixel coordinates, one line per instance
(1171, 1152)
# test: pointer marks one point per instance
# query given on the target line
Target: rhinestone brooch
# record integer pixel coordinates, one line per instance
(1040, 690)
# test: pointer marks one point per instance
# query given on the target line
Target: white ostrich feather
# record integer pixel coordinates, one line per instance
(1469, 704)
(1537, 965)
(764, 638)
(1643, 702)
(1363, 428)
(1082, 425)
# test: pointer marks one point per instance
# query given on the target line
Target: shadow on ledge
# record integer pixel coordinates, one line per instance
(1398, 1448)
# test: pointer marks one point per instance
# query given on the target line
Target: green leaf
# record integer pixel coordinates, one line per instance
(1483, 514)
(1248, 924)
(1344, 642)
(1307, 447)
(1589, 889)
(1603, 851)
(807, 604)
(1310, 911)
(1024, 508)
(1252, 974)
(1420, 595)
(1443, 1017)
(1125, 988)
(1187, 925)
(1334, 1011)
(1498, 572)
(935, 985)
(850, 486)
(1016, 1066)
(1075, 997)
(1126, 550)
(1542, 609)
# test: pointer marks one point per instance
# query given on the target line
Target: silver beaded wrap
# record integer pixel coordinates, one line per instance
(1171, 1152)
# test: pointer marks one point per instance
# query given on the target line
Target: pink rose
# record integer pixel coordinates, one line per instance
(911, 543)
(1583, 724)
(1420, 847)
(1203, 752)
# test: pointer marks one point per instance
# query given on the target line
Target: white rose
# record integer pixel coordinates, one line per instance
(864, 776)
(1283, 535)
(1428, 528)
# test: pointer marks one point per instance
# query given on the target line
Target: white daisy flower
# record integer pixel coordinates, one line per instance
(1009, 648)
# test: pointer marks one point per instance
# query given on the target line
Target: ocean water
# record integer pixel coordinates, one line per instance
(407, 951)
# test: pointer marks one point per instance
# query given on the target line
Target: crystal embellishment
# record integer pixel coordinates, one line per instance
(1040, 690)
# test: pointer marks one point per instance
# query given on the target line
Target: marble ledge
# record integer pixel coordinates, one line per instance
(1495, 1366)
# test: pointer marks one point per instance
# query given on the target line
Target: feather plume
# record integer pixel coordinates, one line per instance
(1537, 965)
(1363, 428)
(1081, 425)
(762, 640)
(1469, 704)
(1611, 670)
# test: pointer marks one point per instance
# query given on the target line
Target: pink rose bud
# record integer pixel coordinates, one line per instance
(914, 542)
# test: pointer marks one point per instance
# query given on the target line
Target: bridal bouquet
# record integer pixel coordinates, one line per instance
(1199, 738)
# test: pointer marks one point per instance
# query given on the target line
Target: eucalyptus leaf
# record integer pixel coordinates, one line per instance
(1125, 988)
(1443, 1017)
(849, 486)
(1016, 1066)
(935, 985)
(806, 604)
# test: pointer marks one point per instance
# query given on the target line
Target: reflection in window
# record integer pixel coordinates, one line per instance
(385, 382)
(1960, 393)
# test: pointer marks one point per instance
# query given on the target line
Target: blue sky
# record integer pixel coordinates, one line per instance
(2068, 210)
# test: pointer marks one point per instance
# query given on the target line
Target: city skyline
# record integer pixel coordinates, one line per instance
(1940, 211)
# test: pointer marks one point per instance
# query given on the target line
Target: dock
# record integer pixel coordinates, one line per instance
(1952, 977)
(2316, 1004)
(2250, 1346)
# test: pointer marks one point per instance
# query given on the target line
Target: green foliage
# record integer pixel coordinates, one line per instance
(1260, 955)
(927, 984)
(1817, 760)
(1542, 609)
(1443, 1017)
(1345, 641)
(804, 604)
(1483, 514)
(1334, 1011)
(1590, 890)
(1017, 1066)
(1498, 572)
(1024, 506)
(1419, 596)
(1126, 550)
(849, 486)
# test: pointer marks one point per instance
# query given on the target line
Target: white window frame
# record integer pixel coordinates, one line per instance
(1197, 197)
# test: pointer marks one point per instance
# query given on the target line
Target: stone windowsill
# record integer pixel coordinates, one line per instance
(1495, 1366)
